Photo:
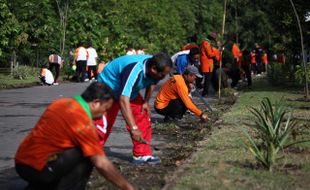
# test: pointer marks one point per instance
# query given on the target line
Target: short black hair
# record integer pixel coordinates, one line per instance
(194, 51)
(97, 90)
(90, 44)
(160, 61)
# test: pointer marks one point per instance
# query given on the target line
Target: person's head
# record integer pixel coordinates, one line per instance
(99, 98)
(89, 45)
(159, 66)
(80, 44)
(257, 45)
(212, 36)
(194, 55)
(43, 66)
(191, 73)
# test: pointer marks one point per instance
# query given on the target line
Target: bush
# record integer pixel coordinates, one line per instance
(300, 73)
(275, 73)
(274, 126)
(24, 72)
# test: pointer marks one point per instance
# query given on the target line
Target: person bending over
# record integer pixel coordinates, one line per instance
(127, 75)
(173, 99)
(63, 147)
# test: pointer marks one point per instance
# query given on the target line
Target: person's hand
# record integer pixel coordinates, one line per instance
(146, 108)
(204, 117)
(137, 135)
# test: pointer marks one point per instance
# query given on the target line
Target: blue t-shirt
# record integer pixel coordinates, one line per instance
(181, 63)
(126, 75)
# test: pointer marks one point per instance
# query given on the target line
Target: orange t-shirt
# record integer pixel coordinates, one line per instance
(265, 59)
(253, 58)
(235, 51)
(206, 56)
(172, 89)
(64, 125)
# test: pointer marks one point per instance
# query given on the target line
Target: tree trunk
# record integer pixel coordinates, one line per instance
(302, 50)
(63, 15)
(223, 30)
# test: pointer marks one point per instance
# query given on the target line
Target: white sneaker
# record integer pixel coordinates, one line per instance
(55, 83)
(146, 160)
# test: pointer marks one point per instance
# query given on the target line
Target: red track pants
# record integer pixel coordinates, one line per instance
(142, 120)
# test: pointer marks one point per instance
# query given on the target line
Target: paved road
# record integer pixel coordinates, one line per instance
(20, 110)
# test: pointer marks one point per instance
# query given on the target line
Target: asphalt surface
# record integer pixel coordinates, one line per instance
(21, 109)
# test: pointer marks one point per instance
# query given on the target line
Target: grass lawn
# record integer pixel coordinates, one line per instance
(7, 81)
(222, 161)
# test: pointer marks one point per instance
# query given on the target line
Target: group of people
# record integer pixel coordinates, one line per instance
(60, 153)
(85, 63)
(206, 56)
(84, 66)
(46, 76)
(68, 139)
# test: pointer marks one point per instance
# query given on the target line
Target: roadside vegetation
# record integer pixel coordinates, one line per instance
(224, 162)
(22, 77)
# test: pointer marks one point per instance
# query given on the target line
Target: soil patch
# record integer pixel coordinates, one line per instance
(181, 139)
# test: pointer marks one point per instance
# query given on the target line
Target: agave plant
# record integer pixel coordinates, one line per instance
(274, 126)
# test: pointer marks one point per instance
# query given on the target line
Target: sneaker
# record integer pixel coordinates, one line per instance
(55, 83)
(87, 79)
(145, 160)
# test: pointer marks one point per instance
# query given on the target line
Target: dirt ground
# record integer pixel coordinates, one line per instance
(180, 141)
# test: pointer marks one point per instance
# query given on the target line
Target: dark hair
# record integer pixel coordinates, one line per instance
(43, 66)
(89, 44)
(97, 90)
(160, 61)
(80, 44)
(194, 51)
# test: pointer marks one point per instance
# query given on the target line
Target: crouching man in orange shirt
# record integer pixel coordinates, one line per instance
(173, 99)
(63, 147)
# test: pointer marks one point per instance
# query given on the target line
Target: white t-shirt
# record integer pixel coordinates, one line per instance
(82, 54)
(131, 52)
(92, 55)
(49, 78)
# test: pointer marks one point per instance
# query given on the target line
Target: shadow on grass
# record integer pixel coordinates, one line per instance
(262, 84)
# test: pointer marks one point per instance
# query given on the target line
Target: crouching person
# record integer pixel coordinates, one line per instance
(173, 99)
(63, 147)
(46, 77)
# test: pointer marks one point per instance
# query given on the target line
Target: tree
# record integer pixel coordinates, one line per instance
(63, 7)
(9, 27)
(302, 49)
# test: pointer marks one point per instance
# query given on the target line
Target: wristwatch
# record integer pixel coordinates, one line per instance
(135, 127)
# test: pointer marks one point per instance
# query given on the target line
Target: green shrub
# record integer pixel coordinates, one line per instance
(24, 72)
(300, 73)
(275, 73)
(273, 127)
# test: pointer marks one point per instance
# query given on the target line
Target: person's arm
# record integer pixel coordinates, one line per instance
(182, 91)
(107, 169)
(75, 56)
(148, 93)
(127, 113)
(209, 50)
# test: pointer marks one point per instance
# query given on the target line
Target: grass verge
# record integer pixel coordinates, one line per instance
(7, 81)
(222, 162)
